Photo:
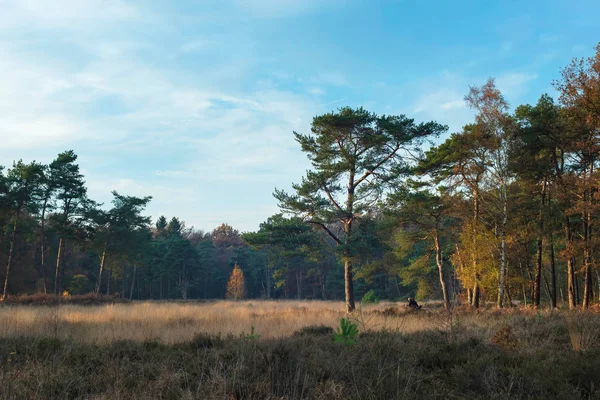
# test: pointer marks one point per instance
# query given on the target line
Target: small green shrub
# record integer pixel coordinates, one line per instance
(346, 333)
(250, 336)
(78, 284)
(370, 298)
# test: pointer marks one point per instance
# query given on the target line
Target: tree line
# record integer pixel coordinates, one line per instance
(503, 211)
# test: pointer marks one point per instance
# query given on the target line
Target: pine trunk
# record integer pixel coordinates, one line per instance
(57, 270)
(133, 281)
(13, 238)
(102, 261)
(537, 287)
(43, 245)
(349, 286)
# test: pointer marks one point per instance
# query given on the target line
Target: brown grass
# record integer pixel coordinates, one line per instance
(145, 350)
(180, 322)
(173, 322)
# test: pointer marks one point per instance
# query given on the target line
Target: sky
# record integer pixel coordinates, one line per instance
(195, 102)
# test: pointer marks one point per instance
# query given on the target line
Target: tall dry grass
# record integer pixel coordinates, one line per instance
(173, 322)
(180, 322)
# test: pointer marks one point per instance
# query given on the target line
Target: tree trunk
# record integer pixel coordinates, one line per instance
(570, 265)
(523, 287)
(133, 281)
(348, 276)
(349, 286)
(476, 291)
(439, 261)
(102, 263)
(587, 287)
(13, 238)
(268, 281)
(299, 284)
(108, 282)
(587, 282)
(476, 295)
(577, 299)
(598, 281)
(43, 245)
(553, 296)
(503, 248)
(587, 250)
(57, 287)
(537, 287)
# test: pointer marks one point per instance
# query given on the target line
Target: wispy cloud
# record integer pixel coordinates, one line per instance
(284, 8)
(514, 84)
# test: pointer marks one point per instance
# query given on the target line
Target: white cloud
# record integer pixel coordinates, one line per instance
(196, 45)
(282, 8)
(453, 104)
(316, 91)
(115, 110)
(514, 84)
(68, 14)
(331, 79)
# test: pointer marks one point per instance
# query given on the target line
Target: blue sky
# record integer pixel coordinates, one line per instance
(194, 102)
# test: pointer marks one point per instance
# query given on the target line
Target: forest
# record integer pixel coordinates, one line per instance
(505, 211)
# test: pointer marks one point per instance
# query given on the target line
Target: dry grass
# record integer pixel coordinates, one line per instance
(180, 322)
(173, 322)
(145, 350)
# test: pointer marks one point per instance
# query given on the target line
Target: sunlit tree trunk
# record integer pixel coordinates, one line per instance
(43, 245)
(439, 261)
(501, 280)
(57, 287)
(348, 276)
(476, 291)
(587, 233)
(570, 265)
(102, 263)
(13, 238)
(537, 287)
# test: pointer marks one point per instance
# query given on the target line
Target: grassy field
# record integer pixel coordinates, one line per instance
(280, 350)
(180, 322)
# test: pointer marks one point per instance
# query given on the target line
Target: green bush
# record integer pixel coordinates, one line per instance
(78, 284)
(346, 333)
(370, 298)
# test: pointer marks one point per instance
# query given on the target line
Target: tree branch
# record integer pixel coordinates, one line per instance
(322, 225)
(379, 164)
(328, 192)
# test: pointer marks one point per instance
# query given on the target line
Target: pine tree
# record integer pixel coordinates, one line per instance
(236, 287)
(355, 155)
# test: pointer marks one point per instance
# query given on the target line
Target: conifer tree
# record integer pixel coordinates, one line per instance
(355, 154)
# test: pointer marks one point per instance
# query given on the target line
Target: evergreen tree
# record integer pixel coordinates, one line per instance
(354, 153)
